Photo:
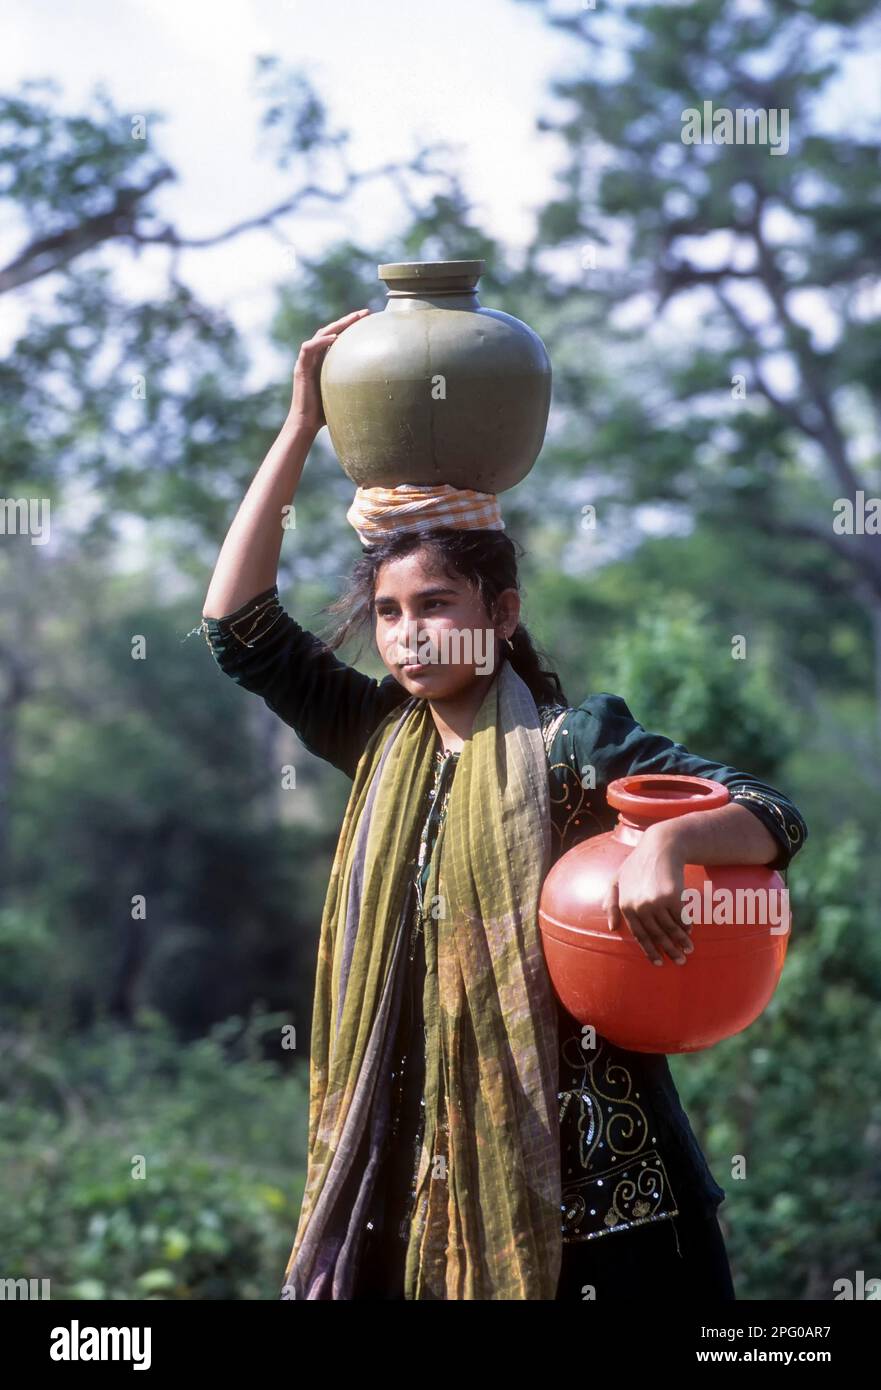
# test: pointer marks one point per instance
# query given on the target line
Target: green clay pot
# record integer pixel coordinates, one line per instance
(436, 389)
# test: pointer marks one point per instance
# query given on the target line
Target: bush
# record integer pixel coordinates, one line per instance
(806, 1211)
(134, 1167)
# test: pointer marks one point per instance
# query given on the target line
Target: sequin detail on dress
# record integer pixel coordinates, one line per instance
(613, 1174)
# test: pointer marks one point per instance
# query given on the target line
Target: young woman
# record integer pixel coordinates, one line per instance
(463, 1140)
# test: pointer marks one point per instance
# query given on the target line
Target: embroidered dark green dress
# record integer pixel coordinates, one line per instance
(630, 1160)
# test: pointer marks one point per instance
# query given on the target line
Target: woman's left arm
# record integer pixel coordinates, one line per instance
(758, 826)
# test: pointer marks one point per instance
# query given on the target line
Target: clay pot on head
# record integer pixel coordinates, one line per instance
(740, 929)
(436, 389)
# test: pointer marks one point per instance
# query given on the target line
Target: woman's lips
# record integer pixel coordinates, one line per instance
(415, 668)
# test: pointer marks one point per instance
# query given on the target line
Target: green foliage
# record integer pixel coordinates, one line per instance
(177, 801)
(676, 669)
(796, 1094)
(683, 356)
(57, 168)
(217, 1132)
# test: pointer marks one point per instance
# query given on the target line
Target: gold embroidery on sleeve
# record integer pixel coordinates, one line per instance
(792, 831)
(254, 614)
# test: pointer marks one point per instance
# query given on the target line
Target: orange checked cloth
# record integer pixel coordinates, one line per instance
(378, 512)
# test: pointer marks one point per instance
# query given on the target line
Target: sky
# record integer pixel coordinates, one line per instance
(394, 73)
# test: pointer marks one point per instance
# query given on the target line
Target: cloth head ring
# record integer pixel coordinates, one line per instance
(378, 512)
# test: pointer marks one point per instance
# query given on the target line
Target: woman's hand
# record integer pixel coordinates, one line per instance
(306, 410)
(647, 893)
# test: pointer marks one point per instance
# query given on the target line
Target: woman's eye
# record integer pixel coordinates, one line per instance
(431, 603)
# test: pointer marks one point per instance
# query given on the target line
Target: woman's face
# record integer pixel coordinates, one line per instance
(424, 615)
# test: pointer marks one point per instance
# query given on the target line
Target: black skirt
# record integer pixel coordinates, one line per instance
(683, 1255)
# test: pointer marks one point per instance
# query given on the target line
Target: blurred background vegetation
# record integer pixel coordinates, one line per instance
(712, 315)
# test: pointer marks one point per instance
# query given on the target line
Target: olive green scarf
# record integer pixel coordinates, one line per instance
(486, 1222)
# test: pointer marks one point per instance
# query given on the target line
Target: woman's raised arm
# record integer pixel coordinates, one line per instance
(332, 707)
(248, 560)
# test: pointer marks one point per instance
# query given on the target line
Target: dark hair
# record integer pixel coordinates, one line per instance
(486, 559)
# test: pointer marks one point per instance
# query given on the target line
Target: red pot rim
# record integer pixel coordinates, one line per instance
(662, 795)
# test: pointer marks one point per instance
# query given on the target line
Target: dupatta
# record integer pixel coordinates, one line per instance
(487, 1215)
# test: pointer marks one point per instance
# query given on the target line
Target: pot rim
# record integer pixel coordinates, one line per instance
(428, 278)
(428, 270)
(643, 795)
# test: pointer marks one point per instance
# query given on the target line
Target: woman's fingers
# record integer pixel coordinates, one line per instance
(642, 936)
(615, 912)
(322, 339)
(611, 906)
(306, 403)
(318, 343)
(656, 930)
(653, 926)
(677, 943)
(339, 324)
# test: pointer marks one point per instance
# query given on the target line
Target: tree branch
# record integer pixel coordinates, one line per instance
(785, 408)
(861, 557)
(47, 254)
(52, 253)
(829, 431)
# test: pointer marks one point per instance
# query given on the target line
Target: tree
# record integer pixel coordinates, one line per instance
(139, 404)
(766, 415)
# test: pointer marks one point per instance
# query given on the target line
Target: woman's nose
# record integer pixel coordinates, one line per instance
(406, 634)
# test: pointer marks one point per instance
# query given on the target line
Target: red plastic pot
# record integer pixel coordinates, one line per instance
(740, 929)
